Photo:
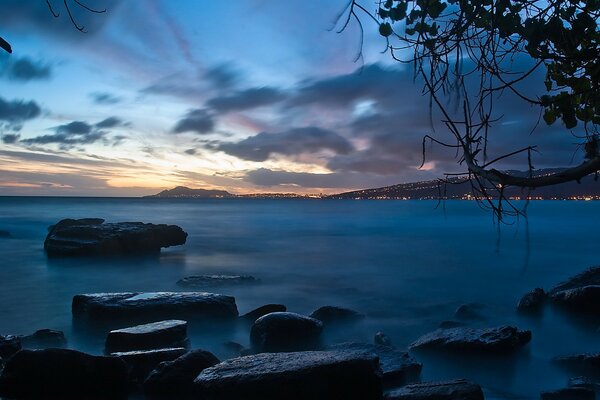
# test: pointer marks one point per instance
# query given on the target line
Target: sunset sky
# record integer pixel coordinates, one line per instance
(247, 96)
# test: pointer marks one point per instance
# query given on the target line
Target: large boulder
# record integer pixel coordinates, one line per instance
(201, 281)
(501, 339)
(142, 362)
(154, 305)
(63, 373)
(398, 367)
(255, 314)
(332, 315)
(285, 331)
(574, 393)
(459, 389)
(9, 345)
(175, 379)
(156, 335)
(293, 376)
(93, 237)
(44, 338)
(580, 292)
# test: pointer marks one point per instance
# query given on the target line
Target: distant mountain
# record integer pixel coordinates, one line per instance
(185, 192)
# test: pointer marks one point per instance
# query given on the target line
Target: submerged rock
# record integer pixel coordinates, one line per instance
(5, 234)
(585, 362)
(156, 335)
(459, 389)
(142, 362)
(63, 373)
(585, 382)
(332, 314)
(398, 367)
(574, 393)
(199, 281)
(468, 312)
(175, 379)
(532, 302)
(293, 376)
(9, 345)
(154, 305)
(285, 331)
(263, 310)
(382, 339)
(44, 338)
(451, 324)
(93, 237)
(235, 349)
(501, 339)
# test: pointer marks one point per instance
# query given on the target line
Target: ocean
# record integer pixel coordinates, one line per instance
(406, 265)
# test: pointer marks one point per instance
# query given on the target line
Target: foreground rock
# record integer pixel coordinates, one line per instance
(141, 363)
(586, 363)
(154, 305)
(447, 390)
(580, 293)
(532, 302)
(584, 382)
(285, 331)
(293, 376)
(398, 367)
(92, 237)
(200, 281)
(9, 345)
(574, 393)
(175, 379)
(62, 373)
(331, 314)
(156, 335)
(502, 339)
(44, 338)
(263, 310)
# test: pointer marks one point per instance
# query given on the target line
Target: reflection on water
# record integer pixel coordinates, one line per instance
(402, 263)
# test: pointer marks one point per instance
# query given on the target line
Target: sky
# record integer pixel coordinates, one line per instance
(247, 96)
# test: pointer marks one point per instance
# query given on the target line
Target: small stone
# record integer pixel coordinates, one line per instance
(285, 331)
(467, 312)
(44, 338)
(263, 310)
(332, 314)
(382, 339)
(532, 302)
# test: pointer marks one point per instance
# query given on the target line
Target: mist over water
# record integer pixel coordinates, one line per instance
(405, 264)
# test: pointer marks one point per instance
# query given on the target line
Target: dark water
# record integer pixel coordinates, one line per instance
(404, 264)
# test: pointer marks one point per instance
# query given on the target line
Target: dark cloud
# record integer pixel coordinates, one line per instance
(246, 99)
(18, 110)
(24, 69)
(191, 152)
(79, 133)
(10, 138)
(66, 140)
(199, 121)
(74, 128)
(222, 76)
(291, 142)
(104, 98)
(110, 122)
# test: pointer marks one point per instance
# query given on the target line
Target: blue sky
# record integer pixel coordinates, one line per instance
(245, 95)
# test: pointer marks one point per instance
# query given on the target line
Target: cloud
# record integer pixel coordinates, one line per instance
(104, 98)
(10, 138)
(246, 99)
(199, 121)
(295, 141)
(110, 122)
(24, 69)
(18, 110)
(74, 128)
(222, 76)
(79, 133)
(190, 152)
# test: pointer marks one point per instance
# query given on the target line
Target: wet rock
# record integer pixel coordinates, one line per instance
(263, 310)
(585, 382)
(586, 278)
(583, 363)
(293, 376)
(398, 367)
(5, 234)
(201, 281)
(9, 345)
(156, 335)
(501, 339)
(451, 324)
(574, 393)
(468, 312)
(63, 373)
(459, 389)
(332, 314)
(532, 302)
(176, 378)
(154, 305)
(234, 349)
(93, 237)
(285, 331)
(44, 338)
(141, 363)
(583, 299)
(382, 339)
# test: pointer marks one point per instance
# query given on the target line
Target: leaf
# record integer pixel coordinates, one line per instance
(5, 45)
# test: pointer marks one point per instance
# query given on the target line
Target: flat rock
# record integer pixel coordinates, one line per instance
(294, 376)
(44, 338)
(142, 362)
(501, 339)
(63, 373)
(583, 299)
(154, 305)
(156, 335)
(398, 367)
(176, 378)
(585, 382)
(199, 281)
(9, 345)
(574, 393)
(532, 302)
(580, 362)
(459, 389)
(93, 237)
(255, 314)
(285, 331)
(332, 314)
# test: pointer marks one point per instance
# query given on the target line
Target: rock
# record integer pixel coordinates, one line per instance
(9, 345)
(451, 324)
(331, 314)
(459, 389)
(63, 373)
(382, 339)
(585, 382)
(5, 234)
(532, 302)
(44, 338)
(234, 349)
(285, 331)
(176, 378)
(263, 310)
(93, 237)
(141, 363)
(574, 393)
(293, 376)
(398, 367)
(586, 278)
(501, 339)
(155, 306)
(215, 280)
(156, 335)
(467, 312)
(584, 363)
(583, 299)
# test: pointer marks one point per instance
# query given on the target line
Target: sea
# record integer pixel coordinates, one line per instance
(406, 265)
